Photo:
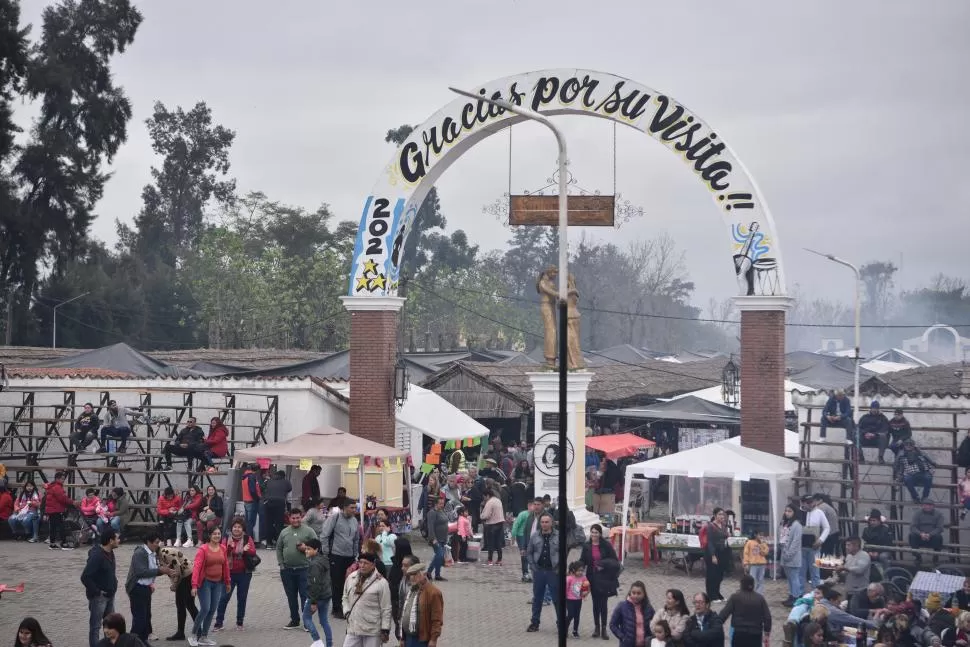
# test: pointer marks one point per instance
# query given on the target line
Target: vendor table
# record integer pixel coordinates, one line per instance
(685, 550)
(639, 539)
(926, 582)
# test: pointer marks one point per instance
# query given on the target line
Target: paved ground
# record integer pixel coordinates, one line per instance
(483, 606)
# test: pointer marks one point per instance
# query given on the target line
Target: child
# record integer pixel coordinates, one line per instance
(386, 539)
(965, 494)
(89, 510)
(577, 588)
(661, 634)
(319, 593)
(464, 534)
(755, 558)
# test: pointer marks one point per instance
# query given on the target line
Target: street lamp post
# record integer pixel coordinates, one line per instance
(563, 508)
(62, 303)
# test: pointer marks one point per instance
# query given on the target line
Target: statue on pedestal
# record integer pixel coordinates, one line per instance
(548, 302)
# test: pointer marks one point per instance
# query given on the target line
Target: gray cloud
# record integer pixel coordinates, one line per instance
(850, 116)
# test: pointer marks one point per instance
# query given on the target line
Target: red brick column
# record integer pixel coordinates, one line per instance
(373, 353)
(763, 372)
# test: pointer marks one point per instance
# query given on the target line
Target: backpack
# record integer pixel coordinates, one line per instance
(702, 533)
(252, 486)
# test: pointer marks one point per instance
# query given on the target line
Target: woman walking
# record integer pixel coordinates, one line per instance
(240, 549)
(602, 570)
(790, 538)
(716, 555)
(675, 613)
(210, 577)
(493, 517)
(631, 618)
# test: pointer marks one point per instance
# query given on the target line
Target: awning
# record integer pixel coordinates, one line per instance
(437, 418)
(618, 445)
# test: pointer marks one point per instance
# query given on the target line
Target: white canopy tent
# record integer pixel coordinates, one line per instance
(426, 412)
(791, 443)
(723, 460)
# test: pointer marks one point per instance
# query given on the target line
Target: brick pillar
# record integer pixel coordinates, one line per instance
(763, 371)
(373, 353)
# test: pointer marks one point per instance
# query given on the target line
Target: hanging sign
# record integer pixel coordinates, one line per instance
(583, 210)
(305, 464)
(353, 463)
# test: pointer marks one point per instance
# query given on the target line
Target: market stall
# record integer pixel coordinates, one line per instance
(425, 413)
(382, 465)
(713, 470)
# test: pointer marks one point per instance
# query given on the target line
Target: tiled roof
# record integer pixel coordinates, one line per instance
(942, 380)
(29, 371)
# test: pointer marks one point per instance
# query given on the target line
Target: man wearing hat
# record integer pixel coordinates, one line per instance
(422, 610)
(914, 469)
(367, 605)
(491, 471)
(876, 533)
(874, 427)
(926, 529)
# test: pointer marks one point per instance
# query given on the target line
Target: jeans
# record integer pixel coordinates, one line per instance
(919, 479)
(338, 576)
(141, 611)
(240, 581)
(294, 584)
(494, 539)
(99, 607)
(209, 596)
(114, 522)
(115, 432)
(846, 423)
(412, 641)
(252, 510)
(187, 525)
(323, 608)
(757, 571)
(809, 572)
(437, 561)
(80, 441)
(573, 609)
(600, 602)
(29, 523)
(796, 585)
(542, 579)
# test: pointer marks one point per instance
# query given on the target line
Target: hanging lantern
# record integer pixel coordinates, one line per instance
(731, 383)
(401, 382)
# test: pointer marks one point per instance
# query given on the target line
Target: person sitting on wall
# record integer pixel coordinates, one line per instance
(190, 443)
(899, 431)
(914, 469)
(838, 413)
(926, 530)
(85, 429)
(116, 425)
(874, 430)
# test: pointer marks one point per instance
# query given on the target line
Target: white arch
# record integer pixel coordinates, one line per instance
(389, 211)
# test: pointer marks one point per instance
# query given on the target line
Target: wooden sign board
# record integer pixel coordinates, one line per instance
(584, 210)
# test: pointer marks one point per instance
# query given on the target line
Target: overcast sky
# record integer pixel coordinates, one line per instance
(851, 116)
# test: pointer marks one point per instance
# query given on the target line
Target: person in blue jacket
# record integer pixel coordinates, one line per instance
(838, 413)
(630, 613)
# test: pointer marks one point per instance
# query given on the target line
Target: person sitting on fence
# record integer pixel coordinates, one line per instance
(899, 431)
(965, 494)
(874, 430)
(963, 452)
(914, 469)
(85, 429)
(189, 443)
(926, 530)
(116, 425)
(876, 533)
(89, 510)
(838, 413)
(216, 443)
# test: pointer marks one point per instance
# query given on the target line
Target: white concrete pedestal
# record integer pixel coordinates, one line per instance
(549, 456)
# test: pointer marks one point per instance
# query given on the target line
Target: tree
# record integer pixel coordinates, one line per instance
(877, 282)
(47, 201)
(195, 153)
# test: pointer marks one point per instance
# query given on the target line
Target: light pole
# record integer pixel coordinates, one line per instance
(563, 508)
(63, 303)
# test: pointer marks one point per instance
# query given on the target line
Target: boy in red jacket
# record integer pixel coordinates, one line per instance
(56, 504)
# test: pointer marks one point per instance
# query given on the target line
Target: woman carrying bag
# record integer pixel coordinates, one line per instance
(603, 572)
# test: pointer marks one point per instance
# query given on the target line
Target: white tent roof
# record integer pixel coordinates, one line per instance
(717, 460)
(713, 394)
(436, 417)
(791, 443)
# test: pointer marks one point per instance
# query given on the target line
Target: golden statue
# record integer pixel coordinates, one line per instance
(548, 302)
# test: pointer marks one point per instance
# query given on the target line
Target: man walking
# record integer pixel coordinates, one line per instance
(140, 584)
(294, 564)
(341, 541)
(543, 557)
(100, 582)
(367, 604)
(423, 611)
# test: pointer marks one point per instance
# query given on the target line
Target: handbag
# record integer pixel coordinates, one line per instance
(206, 515)
(250, 561)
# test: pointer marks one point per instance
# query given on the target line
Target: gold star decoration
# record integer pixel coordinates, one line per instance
(361, 283)
(376, 282)
(370, 267)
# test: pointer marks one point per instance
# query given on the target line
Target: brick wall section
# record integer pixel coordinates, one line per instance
(373, 353)
(762, 376)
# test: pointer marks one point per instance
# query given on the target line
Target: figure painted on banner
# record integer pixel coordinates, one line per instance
(574, 355)
(548, 296)
(550, 457)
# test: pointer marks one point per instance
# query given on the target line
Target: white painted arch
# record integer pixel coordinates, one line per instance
(390, 209)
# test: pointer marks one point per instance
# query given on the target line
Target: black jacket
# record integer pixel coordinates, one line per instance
(124, 640)
(877, 536)
(874, 423)
(191, 436)
(604, 580)
(711, 636)
(963, 453)
(98, 576)
(318, 579)
(87, 422)
(749, 613)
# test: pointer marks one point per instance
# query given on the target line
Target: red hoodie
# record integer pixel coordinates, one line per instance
(57, 499)
(165, 503)
(217, 440)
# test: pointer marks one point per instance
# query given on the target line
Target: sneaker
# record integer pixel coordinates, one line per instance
(176, 636)
(440, 579)
(205, 640)
(168, 543)
(499, 564)
(152, 637)
(292, 625)
(490, 564)
(575, 634)
(532, 628)
(217, 627)
(66, 547)
(53, 547)
(240, 628)
(33, 540)
(193, 641)
(187, 544)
